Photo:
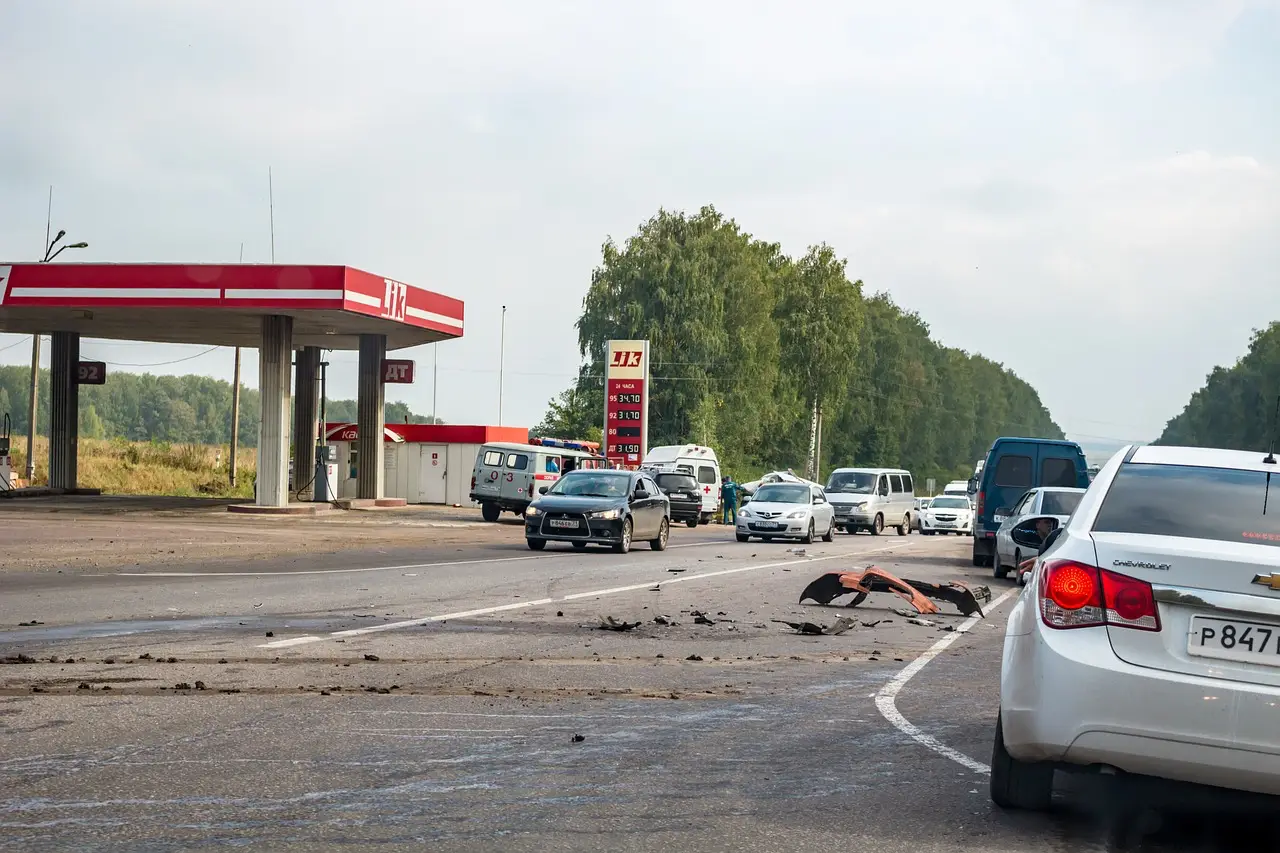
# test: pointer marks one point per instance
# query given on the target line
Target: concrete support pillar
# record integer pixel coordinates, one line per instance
(370, 417)
(64, 404)
(306, 411)
(274, 360)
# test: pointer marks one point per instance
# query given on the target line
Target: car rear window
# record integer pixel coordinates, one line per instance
(706, 474)
(1220, 504)
(677, 483)
(493, 458)
(1014, 472)
(1060, 503)
(1056, 471)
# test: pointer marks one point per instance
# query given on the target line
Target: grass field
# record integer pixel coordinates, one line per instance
(122, 467)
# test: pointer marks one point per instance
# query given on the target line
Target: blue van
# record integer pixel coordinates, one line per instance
(1012, 466)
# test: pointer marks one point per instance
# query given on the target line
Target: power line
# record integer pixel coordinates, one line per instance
(162, 363)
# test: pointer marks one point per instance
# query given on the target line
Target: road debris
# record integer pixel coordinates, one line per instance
(924, 623)
(799, 552)
(608, 623)
(677, 571)
(694, 657)
(372, 657)
(30, 624)
(832, 585)
(700, 618)
(840, 626)
(578, 738)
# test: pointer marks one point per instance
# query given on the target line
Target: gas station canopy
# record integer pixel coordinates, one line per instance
(222, 304)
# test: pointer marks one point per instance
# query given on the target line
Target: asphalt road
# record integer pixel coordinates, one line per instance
(465, 698)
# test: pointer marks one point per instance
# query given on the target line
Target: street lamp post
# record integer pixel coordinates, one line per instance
(33, 398)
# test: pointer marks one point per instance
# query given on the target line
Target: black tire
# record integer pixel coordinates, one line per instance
(998, 568)
(877, 526)
(705, 518)
(693, 522)
(660, 543)
(830, 535)
(581, 546)
(539, 544)
(850, 529)
(807, 539)
(742, 537)
(1022, 785)
(624, 546)
(924, 532)
(490, 511)
(766, 538)
(978, 559)
(904, 526)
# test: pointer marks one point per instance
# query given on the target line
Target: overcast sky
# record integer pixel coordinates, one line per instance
(1088, 193)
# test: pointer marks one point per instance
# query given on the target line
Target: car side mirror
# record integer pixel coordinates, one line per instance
(973, 484)
(640, 494)
(542, 490)
(1027, 535)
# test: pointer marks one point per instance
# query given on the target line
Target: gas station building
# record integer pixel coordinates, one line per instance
(289, 313)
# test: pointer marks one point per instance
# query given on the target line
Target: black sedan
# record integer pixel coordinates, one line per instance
(685, 495)
(601, 507)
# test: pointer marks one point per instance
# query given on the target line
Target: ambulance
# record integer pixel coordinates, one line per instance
(693, 459)
(508, 475)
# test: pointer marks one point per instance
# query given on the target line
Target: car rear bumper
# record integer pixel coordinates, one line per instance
(685, 511)
(1066, 697)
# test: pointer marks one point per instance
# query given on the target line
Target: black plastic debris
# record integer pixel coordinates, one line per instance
(372, 657)
(608, 623)
(700, 618)
(840, 626)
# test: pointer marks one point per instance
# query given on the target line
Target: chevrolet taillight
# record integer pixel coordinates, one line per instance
(1077, 595)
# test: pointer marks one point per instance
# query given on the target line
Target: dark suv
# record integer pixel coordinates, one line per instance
(685, 495)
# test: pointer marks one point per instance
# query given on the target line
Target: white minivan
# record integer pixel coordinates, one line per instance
(699, 462)
(872, 499)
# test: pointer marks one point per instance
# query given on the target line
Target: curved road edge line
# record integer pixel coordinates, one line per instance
(886, 696)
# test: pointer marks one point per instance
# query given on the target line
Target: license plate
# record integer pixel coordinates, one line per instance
(563, 522)
(998, 518)
(1234, 640)
(771, 525)
(945, 524)
(678, 495)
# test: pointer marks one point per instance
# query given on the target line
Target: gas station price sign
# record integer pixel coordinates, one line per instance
(626, 402)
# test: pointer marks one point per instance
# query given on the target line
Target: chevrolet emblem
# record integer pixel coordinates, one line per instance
(1271, 581)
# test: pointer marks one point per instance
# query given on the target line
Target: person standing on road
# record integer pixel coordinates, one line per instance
(728, 500)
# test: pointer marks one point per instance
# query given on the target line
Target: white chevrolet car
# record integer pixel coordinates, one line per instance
(947, 514)
(787, 511)
(1147, 639)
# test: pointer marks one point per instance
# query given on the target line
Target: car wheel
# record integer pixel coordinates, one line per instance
(693, 522)
(924, 532)
(625, 545)
(660, 544)
(977, 558)
(489, 511)
(539, 544)
(742, 537)
(904, 527)
(877, 526)
(998, 568)
(1024, 785)
(830, 535)
(581, 546)
(807, 538)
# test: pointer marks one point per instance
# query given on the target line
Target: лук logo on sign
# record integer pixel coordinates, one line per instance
(394, 299)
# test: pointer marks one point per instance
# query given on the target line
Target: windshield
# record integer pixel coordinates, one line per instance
(599, 484)
(1220, 504)
(949, 503)
(676, 483)
(851, 482)
(1060, 503)
(782, 493)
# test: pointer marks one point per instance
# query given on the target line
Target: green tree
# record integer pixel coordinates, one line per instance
(90, 424)
(819, 319)
(1235, 408)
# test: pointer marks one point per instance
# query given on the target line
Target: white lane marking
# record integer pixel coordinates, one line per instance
(888, 709)
(267, 573)
(520, 605)
(296, 641)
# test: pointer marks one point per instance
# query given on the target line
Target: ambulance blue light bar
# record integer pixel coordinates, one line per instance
(587, 446)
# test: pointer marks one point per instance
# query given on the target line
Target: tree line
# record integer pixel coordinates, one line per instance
(749, 345)
(177, 409)
(1236, 407)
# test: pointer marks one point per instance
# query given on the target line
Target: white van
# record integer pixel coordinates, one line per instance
(957, 488)
(693, 459)
(872, 499)
(508, 475)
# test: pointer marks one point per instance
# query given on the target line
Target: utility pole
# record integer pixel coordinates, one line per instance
(33, 398)
(502, 360)
(435, 378)
(235, 409)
